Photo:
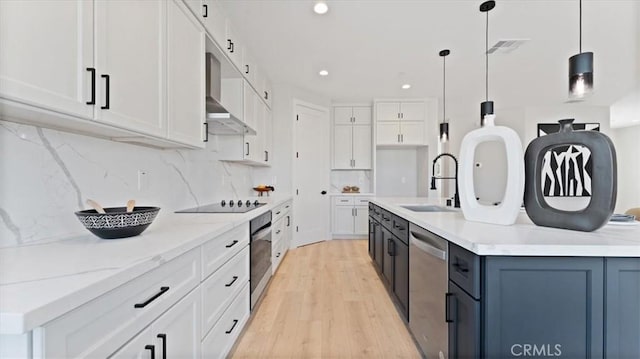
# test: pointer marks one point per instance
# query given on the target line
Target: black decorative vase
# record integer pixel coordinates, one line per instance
(603, 180)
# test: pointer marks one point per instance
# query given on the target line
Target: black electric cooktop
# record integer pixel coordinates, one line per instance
(225, 207)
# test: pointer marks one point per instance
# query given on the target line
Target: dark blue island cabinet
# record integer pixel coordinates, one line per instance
(542, 307)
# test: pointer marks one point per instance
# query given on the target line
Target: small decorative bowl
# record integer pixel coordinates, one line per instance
(116, 222)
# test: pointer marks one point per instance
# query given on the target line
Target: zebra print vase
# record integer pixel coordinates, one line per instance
(603, 182)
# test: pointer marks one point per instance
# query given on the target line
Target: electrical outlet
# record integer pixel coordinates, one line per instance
(143, 180)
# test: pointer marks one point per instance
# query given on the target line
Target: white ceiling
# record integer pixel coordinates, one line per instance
(371, 48)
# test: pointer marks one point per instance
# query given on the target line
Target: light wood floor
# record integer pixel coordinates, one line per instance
(326, 301)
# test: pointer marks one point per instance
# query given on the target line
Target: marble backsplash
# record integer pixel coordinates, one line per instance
(47, 175)
(360, 178)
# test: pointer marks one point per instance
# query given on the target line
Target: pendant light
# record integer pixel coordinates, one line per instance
(486, 107)
(444, 125)
(580, 70)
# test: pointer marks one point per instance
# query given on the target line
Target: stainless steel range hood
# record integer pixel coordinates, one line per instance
(220, 120)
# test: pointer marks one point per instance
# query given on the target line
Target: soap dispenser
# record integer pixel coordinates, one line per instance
(506, 212)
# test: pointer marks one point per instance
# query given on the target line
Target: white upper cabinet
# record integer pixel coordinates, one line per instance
(131, 68)
(47, 55)
(352, 138)
(185, 76)
(215, 22)
(233, 47)
(401, 123)
(249, 68)
(267, 134)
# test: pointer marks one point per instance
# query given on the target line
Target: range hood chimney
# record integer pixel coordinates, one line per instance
(221, 121)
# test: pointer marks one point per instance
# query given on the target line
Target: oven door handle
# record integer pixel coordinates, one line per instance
(265, 231)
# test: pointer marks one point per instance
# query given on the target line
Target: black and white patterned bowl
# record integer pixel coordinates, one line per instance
(116, 222)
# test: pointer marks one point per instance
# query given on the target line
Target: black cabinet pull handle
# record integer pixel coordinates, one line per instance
(235, 278)
(288, 221)
(93, 86)
(152, 349)
(278, 231)
(266, 156)
(154, 297)
(235, 321)
(206, 10)
(447, 307)
(266, 95)
(460, 268)
(235, 241)
(247, 69)
(164, 345)
(323, 192)
(278, 255)
(206, 132)
(247, 148)
(277, 213)
(228, 44)
(106, 87)
(233, 47)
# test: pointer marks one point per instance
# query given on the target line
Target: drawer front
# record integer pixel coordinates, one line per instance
(400, 227)
(278, 229)
(386, 219)
(101, 326)
(464, 270)
(218, 250)
(221, 338)
(343, 201)
(375, 212)
(361, 201)
(220, 289)
(280, 211)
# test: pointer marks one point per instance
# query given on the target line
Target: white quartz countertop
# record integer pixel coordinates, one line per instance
(40, 282)
(521, 239)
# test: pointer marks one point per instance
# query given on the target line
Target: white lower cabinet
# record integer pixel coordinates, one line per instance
(350, 215)
(176, 334)
(221, 338)
(192, 306)
(282, 231)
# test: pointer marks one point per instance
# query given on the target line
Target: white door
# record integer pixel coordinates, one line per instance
(362, 115)
(361, 220)
(388, 133)
(311, 174)
(362, 146)
(342, 149)
(51, 46)
(413, 111)
(412, 133)
(186, 76)
(343, 219)
(130, 61)
(179, 330)
(387, 111)
(342, 115)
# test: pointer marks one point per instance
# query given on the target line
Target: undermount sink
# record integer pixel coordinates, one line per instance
(426, 208)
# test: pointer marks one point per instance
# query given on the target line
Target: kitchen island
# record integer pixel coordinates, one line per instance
(509, 291)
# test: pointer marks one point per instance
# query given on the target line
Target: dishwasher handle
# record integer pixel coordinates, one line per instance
(424, 243)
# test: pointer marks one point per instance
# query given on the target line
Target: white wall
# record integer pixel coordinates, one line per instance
(397, 172)
(627, 141)
(46, 175)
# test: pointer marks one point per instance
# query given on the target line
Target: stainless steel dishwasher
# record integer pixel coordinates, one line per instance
(428, 283)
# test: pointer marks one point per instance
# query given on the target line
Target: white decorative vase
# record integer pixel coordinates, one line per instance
(507, 211)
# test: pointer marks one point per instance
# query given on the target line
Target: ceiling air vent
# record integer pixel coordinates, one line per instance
(506, 46)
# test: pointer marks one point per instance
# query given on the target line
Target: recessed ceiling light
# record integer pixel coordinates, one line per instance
(406, 86)
(321, 7)
(323, 73)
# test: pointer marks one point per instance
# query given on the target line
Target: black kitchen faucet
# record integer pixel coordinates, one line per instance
(456, 197)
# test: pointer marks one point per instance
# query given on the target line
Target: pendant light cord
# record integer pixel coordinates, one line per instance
(580, 41)
(486, 53)
(444, 89)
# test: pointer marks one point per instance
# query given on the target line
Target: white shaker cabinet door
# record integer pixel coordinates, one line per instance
(130, 61)
(197, 7)
(387, 111)
(216, 23)
(362, 147)
(361, 223)
(186, 76)
(388, 133)
(178, 330)
(268, 134)
(343, 219)
(140, 347)
(412, 133)
(342, 115)
(413, 111)
(342, 149)
(47, 49)
(362, 115)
